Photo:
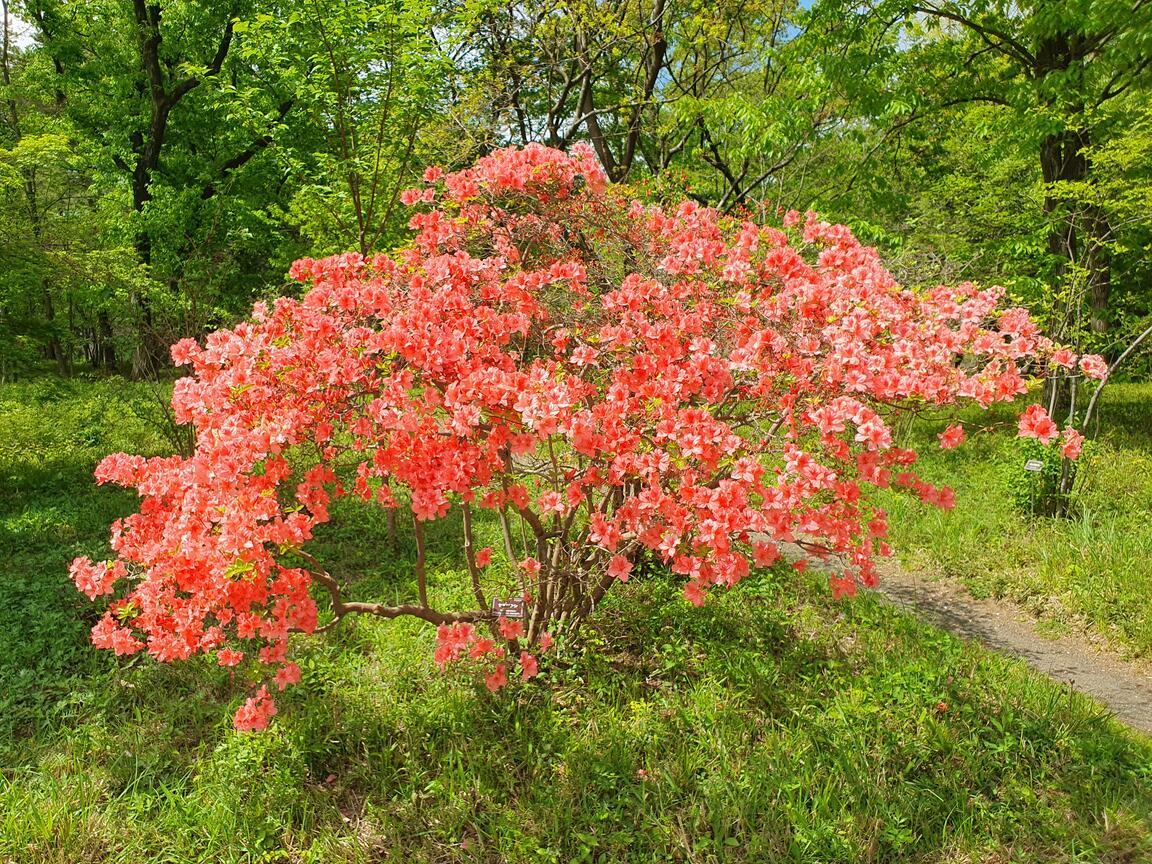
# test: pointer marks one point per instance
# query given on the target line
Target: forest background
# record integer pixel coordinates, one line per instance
(161, 164)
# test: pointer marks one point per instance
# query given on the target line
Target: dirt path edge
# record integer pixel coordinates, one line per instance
(1123, 687)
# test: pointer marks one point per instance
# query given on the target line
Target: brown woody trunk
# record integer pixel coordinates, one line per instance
(1077, 236)
(104, 347)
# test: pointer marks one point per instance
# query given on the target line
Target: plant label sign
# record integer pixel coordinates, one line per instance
(508, 608)
(1033, 465)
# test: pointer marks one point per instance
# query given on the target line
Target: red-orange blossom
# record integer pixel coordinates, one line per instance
(619, 378)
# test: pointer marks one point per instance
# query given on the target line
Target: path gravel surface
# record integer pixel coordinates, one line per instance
(1124, 687)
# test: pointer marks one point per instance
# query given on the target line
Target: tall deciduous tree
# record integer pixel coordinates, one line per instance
(1056, 68)
(368, 80)
(567, 70)
(720, 93)
(56, 245)
(152, 85)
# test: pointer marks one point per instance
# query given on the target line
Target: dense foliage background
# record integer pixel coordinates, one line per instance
(162, 163)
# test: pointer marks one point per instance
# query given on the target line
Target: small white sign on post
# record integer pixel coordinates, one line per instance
(508, 608)
(1033, 465)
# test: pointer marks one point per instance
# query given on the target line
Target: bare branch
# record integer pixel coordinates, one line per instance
(1005, 44)
(1112, 368)
(246, 155)
(421, 558)
(470, 556)
(340, 608)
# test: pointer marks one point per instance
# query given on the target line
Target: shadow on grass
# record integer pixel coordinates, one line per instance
(48, 516)
(752, 730)
(773, 724)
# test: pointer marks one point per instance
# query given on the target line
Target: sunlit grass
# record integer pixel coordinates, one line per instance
(1091, 572)
(772, 725)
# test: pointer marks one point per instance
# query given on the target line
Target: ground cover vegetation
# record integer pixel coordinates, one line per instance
(774, 723)
(161, 166)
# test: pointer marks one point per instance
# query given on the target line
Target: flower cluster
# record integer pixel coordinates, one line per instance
(617, 379)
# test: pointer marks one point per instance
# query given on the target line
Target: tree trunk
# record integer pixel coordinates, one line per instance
(1078, 235)
(55, 348)
(104, 349)
(1098, 263)
(148, 357)
(164, 93)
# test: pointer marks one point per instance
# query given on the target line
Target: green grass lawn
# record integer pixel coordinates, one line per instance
(1092, 572)
(772, 725)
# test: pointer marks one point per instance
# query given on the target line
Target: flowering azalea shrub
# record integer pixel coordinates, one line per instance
(610, 380)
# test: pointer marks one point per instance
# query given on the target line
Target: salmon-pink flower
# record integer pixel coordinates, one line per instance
(584, 356)
(550, 502)
(96, 579)
(287, 674)
(1073, 442)
(482, 647)
(255, 713)
(498, 678)
(228, 657)
(185, 351)
(1035, 423)
(1094, 366)
(952, 437)
(619, 567)
(511, 628)
(765, 554)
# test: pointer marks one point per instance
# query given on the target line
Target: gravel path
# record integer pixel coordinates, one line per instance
(1125, 688)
